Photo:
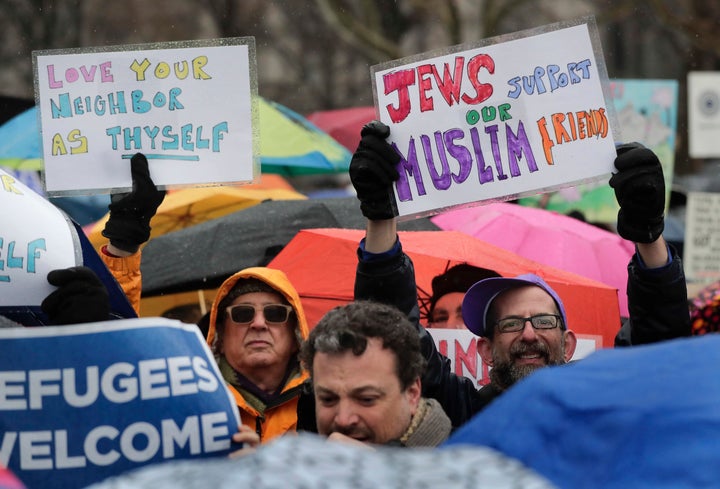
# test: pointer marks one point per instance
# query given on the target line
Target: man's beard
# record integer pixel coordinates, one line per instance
(505, 372)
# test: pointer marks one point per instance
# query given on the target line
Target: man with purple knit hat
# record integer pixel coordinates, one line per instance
(522, 327)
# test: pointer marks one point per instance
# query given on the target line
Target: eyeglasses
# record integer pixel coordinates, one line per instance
(245, 313)
(541, 321)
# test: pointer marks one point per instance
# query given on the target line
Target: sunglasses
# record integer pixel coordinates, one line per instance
(245, 313)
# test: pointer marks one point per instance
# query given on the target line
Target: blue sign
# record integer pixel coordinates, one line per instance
(81, 403)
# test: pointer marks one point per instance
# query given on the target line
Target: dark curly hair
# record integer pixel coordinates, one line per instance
(348, 328)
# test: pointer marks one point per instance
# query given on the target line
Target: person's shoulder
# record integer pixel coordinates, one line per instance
(484, 396)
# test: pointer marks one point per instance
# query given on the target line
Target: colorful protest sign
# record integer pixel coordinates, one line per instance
(460, 346)
(647, 114)
(35, 239)
(704, 114)
(514, 115)
(187, 106)
(82, 403)
(701, 251)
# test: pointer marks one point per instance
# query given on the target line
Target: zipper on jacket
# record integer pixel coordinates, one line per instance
(258, 425)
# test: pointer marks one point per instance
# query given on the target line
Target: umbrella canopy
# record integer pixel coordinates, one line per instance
(202, 256)
(640, 417)
(20, 142)
(308, 460)
(344, 125)
(289, 144)
(191, 206)
(321, 265)
(549, 238)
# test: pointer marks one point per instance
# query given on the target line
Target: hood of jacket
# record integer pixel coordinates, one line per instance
(275, 279)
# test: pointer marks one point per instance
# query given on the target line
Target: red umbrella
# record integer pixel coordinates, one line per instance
(321, 265)
(344, 125)
(548, 238)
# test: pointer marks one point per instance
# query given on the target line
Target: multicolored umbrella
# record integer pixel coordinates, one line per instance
(289, 144)
(705, 310)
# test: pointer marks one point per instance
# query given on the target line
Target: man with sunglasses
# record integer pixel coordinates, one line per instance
(256, 326)
(521, 322)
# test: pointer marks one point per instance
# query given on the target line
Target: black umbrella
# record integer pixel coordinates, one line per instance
(202, 256)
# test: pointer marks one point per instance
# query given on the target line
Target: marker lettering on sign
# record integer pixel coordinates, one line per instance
(12, 260)
(426, 79)
(115, 103)
(571, 127)
(83, 73)
(452, 146)
(536, 83)
(162, 70)
(188, 138)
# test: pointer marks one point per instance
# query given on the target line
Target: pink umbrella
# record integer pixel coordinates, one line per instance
(549, 238)
(344, 125)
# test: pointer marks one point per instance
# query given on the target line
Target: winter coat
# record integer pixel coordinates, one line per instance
(280, 416)
(126, 271)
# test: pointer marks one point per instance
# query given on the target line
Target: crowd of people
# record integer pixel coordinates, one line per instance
(369, 372)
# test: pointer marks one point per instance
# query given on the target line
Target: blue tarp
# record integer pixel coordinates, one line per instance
(639, 417)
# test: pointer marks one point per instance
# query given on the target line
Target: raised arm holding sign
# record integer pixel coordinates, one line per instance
(521, 321)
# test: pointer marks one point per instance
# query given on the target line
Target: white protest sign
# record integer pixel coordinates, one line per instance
(704, 114)
(460, 346)
(187, 106)
(35, 238)
(511, 116)
(701, 252)
(81, 403)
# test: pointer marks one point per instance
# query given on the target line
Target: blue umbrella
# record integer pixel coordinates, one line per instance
(20, 142)
(640, 417)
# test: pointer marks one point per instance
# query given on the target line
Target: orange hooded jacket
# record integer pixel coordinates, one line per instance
(126, 271)
(280, 417)
(275, 420)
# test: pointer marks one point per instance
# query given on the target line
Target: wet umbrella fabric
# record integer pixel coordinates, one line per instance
(640, 417)
(192, 206)
(321, 265)
(550, 238)
(202, 256)
(309, 460)
(344, 125)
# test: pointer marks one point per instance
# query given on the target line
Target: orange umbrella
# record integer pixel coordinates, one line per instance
(190, 206)
(321, 265)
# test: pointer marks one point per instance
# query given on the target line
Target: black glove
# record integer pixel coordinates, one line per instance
(129, 223)
(80, 298)
(640, 190)
(372, 171)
